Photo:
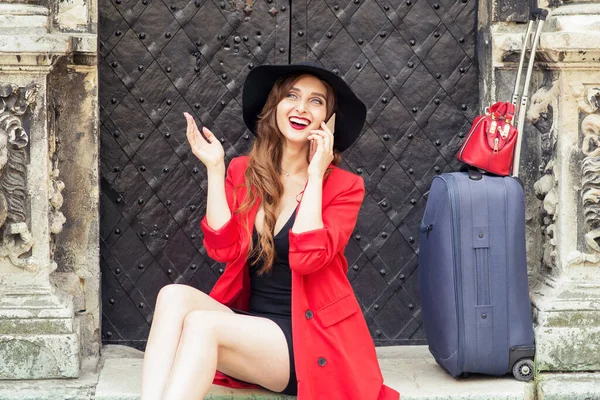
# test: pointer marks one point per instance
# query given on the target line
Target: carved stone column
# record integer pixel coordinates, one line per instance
(565, 274)
(38, 338)
(38, 332)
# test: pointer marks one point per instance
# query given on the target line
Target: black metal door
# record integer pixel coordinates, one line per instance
(412, 62)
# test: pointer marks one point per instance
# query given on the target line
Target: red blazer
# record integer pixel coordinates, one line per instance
(335, 355)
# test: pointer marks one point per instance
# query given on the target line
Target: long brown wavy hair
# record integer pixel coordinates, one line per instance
(263, 175)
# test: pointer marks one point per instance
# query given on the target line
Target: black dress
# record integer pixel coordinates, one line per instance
(271, 294)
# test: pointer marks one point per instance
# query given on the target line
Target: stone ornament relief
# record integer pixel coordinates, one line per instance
(56, 218)
(16, 240)
(589, 103)
(541, 115)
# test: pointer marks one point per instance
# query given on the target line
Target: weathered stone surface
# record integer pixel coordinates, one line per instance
(38, 337)
(118, 351)
(121, 378)
(72, 15)
(569, 387)
(418, 378)
(568, 326)
(82, 388)
(23, 17)
(414, 373)
(39, 356)
(76, 124)
(408, 369)
(563, 252)
(566, 300)
(50, 43)
(39, 334)
(568, 349)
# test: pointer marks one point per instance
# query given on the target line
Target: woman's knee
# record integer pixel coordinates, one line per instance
(175, 299)
(172, 296)
(202, 323)
(169, 294)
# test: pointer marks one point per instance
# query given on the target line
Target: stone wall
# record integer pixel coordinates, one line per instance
(560, 174)
(72, 99)
(49, 258)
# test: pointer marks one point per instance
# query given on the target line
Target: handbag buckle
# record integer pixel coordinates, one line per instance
(493, 126)
(504, 132)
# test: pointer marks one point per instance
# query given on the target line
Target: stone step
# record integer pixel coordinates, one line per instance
(409, 369)
(569, 386)
(83, 388)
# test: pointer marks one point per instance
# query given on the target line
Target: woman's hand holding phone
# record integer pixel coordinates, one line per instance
(321, 148)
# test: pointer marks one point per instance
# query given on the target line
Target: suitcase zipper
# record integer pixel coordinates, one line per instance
(426, 229)
(457, 272)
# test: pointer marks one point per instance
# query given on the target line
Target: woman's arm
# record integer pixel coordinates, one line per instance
(309, 216)
(312, 249)
(221, 237)
(217, 208)
(220, 228)
(319, 234)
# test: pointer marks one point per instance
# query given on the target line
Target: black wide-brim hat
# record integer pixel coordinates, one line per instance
(350, 111)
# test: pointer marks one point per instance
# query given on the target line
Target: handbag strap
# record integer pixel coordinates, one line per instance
(502, 110)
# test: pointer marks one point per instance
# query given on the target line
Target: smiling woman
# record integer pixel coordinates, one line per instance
(283, 314)
(304, 107)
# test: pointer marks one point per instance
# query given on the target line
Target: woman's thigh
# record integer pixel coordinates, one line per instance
(251, 349)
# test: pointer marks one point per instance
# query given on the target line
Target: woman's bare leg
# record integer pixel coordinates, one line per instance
(174, 303)
(248, 348)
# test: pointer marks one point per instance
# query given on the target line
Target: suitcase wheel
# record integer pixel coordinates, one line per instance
(523, 369)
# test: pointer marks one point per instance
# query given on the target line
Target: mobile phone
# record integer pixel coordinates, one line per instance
(331, 123)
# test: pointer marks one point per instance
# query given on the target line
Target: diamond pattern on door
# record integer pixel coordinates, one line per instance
(160, 59)
(412, 62)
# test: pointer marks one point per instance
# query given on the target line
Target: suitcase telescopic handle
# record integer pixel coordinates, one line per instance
(526, 40)
(540, 16)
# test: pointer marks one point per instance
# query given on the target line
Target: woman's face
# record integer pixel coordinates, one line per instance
(302, 109)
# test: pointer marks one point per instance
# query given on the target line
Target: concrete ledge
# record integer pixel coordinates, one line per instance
(409, 369)
(413, 372)
(571, 386)
(82, 388)
(120, 379)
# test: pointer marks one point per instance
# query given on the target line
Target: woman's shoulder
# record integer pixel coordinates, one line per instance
(240, 162)
(237, 166)
(236, 170)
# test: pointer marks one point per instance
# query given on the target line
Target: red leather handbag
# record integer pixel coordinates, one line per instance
(490, 144)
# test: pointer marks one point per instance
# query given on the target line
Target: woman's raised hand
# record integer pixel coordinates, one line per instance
(321, 151)
(209, 150)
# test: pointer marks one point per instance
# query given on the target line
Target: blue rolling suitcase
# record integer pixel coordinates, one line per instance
(473, 276)
(472, 263)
